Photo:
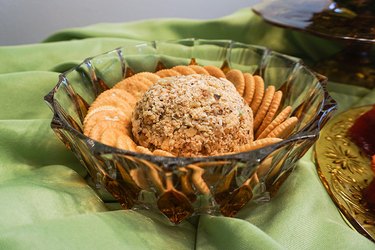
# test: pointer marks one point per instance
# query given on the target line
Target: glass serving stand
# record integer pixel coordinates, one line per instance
(350, 22)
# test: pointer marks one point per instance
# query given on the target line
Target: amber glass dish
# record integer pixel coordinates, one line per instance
(182, 187)
(345, 170)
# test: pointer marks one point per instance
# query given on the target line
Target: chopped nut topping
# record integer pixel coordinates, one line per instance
(193, 115)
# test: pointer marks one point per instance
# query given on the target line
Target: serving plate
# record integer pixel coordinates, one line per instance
(345, 171)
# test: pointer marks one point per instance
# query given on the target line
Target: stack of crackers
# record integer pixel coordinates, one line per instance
(109, 117)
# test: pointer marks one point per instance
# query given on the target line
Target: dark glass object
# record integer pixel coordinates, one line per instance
(352, 23)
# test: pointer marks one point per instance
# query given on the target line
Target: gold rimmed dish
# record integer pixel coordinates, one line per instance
(345, 170)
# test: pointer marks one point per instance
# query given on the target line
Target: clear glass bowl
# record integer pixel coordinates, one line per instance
(180, 187)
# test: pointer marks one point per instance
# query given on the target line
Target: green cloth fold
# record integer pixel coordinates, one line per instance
(47, 204)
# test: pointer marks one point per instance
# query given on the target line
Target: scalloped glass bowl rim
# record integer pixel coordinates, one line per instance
(99, 148)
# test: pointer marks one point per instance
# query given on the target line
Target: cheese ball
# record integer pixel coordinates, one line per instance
(192, 116)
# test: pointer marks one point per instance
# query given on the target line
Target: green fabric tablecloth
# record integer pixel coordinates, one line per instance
(45, 202)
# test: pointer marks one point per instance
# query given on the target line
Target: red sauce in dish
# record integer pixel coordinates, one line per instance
(362, 132)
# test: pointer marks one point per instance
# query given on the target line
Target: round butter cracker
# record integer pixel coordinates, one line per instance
(249, 87)
(214, 71)
(167, 73)
(280, 118)
(263, 108)
(274, 107)
(258, 94)
(184, 70)
(284, 129)
(260, 143)
(236, 77)
(199, 69)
